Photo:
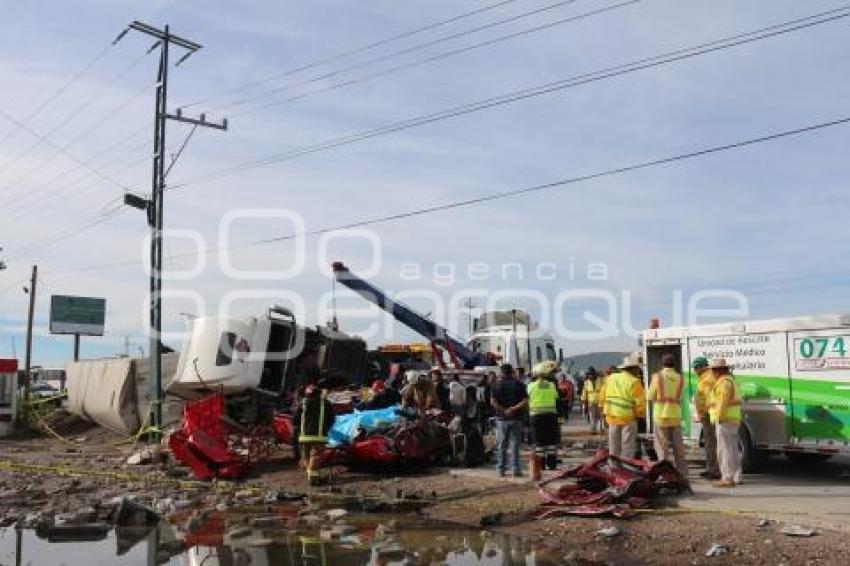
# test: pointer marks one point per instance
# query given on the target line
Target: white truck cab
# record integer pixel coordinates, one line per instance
(513, 338)
(268, 352)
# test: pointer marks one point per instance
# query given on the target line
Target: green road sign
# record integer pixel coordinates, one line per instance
(77, 315)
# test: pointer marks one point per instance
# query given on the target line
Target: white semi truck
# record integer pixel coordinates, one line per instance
(513, 337)
(793, 376)
(269, 352)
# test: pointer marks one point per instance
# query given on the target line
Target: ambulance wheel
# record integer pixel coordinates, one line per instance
(751, 458)
(806, 458)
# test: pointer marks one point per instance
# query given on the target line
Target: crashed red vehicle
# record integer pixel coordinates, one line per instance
(212, 446)
(418, 440)
(422, 440)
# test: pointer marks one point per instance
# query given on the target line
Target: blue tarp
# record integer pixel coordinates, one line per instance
(348, 426)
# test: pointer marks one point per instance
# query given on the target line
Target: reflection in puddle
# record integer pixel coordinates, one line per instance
(286, 534)
(227, 540)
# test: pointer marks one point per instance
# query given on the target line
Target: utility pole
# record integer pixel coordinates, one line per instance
(154, 206)
(516, 338)
(28, 353)
(469, 306)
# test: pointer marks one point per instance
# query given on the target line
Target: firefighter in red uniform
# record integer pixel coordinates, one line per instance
(315, 416)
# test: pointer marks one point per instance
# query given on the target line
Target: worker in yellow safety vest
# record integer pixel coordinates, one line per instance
(665, 393)
(589, 399)
(600, 385)
(543, 410)
(725, 413)
(625, 402)
(702, 397)
(315, 415)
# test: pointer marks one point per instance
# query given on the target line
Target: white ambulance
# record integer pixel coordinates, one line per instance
(793, 376)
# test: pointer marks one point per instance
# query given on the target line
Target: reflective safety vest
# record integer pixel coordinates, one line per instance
(312, 428)
(725, 405)
(542, 397)
(702, 398)
(668, 396)
(619, 401)
(589, 391)
(600, 399)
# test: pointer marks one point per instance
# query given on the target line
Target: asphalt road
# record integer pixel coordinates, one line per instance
(817, 495)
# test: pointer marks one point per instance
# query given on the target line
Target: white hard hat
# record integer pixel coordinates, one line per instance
(631, 360)
(411, 375)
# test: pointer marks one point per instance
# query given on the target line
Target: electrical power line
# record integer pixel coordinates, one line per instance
(350, 52)
(39, 205)
(58, 92)
(429, 59)
(505, 193)
(110, 209)
(648, 62)
(61, 150)
(68, 118)
(405, 51)
(547, 88)
(42, 194)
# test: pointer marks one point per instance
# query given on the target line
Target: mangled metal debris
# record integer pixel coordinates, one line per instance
(607, 485)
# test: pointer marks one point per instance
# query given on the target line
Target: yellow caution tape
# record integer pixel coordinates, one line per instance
(63, 470)
(46, 427)
(143, 430)
(44, 400)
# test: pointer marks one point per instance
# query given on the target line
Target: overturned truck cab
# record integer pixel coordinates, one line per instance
(269, 353)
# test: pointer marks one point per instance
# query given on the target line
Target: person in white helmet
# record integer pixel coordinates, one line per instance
(624, 400)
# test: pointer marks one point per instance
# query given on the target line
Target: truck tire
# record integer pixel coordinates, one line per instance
(751, 458)
(805, 459)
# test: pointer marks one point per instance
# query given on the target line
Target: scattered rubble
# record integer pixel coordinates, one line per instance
(146, 455)
(716, 550)
(491, 520)
(78, 517)
(609, 532)
(131, 513)
(335, 532)
(335, 514)
(250, 514)
(793, 530)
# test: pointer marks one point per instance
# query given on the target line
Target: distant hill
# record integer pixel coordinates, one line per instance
(599, 360)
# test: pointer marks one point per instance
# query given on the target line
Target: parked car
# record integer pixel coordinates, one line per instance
(45, 391)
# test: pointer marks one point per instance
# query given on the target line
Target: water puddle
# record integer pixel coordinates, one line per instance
(212, 538)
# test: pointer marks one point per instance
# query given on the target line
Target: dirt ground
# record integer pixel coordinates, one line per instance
(46, 475)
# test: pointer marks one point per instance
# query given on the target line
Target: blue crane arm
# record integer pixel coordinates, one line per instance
(413, 320)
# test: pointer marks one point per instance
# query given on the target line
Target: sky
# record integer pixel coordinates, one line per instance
(766, 221)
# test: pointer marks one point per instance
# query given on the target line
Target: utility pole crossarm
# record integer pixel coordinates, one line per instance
(161, 35)
(200, 121)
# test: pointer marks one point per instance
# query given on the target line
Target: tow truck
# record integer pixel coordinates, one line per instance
(499, 337)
